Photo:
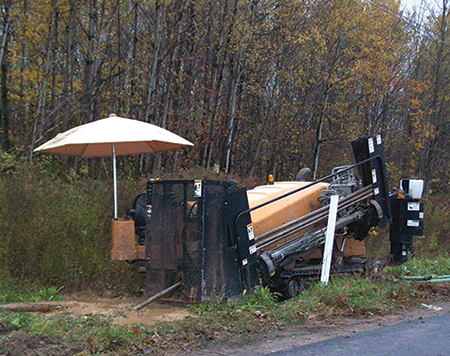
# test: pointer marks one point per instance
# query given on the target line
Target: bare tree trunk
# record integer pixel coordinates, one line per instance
(160, 14)
(68, 75)
(235, 85)
(133, 71)
(4, 110)
(42, 118)
(54, 46)
(91, 61)
(233, 100)
(231, 123)
(260, 135)
(319, 137)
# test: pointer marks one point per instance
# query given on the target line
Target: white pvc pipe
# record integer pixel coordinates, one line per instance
(327, 253)
(115, 180)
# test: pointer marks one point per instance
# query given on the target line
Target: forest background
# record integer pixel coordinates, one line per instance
(260, 87)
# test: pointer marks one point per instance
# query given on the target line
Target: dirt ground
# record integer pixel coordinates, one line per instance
(120, 311)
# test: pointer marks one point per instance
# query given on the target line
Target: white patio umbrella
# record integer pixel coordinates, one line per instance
(113, 136)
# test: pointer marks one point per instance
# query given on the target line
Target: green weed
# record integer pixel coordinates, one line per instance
(50, 293)
(95, 332)
(261, 299)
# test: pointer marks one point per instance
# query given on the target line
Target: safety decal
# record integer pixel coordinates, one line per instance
(374, 176)
(378, 140)
(371, 146)
(197, 188)
(412, 223)
(413, 206)
(251, 234)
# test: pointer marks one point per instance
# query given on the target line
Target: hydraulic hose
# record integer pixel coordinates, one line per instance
(428, 278)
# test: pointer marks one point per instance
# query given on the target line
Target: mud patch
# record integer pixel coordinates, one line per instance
(120, 311)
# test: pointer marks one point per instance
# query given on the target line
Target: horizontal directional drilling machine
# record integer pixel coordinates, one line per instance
(220, 240)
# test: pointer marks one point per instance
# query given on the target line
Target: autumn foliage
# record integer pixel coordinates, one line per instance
(259, 86)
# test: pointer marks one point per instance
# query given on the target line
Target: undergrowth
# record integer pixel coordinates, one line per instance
(58, 233)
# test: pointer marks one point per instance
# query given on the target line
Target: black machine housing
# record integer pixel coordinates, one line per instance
(191, 229)
(407, 221)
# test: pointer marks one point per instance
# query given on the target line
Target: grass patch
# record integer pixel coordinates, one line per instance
(419, 267)
(19, 291)
(95, 332)
(350, 296)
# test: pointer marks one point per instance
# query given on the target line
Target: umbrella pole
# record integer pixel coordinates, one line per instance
(115, 180)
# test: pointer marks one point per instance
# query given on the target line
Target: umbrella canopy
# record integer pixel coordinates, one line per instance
(95, 139)
(113, 136)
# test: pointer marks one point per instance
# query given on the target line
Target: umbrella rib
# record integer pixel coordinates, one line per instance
(151, 147)
(84, 150)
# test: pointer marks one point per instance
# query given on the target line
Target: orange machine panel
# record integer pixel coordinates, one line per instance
(124, 246)
(285, 210)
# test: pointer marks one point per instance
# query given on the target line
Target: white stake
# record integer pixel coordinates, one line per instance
(327, 254)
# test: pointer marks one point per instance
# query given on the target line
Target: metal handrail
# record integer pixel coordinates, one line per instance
(305, 187)
(283, 231)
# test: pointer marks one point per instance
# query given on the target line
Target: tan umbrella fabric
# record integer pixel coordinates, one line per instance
(95, 139)
(114, 136)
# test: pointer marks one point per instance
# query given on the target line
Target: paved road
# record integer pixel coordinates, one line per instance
(423, 337)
